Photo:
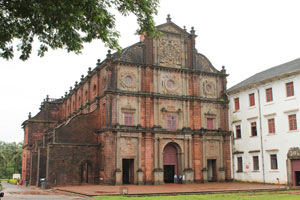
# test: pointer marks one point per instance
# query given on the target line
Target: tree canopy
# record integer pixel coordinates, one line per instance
(10, 159)
(67, 23)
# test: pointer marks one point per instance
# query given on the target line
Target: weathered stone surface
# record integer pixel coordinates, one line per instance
(166, 90)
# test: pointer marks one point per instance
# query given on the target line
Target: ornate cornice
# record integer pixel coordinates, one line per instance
(186, 70)
(165, 96)
(157, 129)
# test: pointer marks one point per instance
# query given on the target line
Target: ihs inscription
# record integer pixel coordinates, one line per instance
(170, 52)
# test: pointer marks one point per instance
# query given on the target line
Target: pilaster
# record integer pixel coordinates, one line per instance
(118, 172)
(140, 172)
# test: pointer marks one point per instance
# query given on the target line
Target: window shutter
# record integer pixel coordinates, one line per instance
(289, 89)
(237, 104)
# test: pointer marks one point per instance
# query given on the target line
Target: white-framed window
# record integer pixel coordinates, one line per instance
(273, 161)
(239, 164)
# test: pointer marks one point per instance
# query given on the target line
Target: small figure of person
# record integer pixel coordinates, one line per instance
(18, 182)
(183, 178)
(21, 183)
(180, 179)
(175, 178)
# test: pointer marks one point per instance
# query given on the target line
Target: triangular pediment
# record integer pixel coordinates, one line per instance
(171, 28)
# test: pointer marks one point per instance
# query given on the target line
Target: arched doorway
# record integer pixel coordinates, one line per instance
(293, 166)
(86, 172)
(170, 162)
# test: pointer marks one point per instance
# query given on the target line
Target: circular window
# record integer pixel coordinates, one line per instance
(208, 87)
(128, 79)
(170, 84)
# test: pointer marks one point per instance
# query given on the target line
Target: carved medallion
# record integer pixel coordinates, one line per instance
(128, 80)
(170, 83)
(208, 87)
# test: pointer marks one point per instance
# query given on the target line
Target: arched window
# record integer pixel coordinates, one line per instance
(95, 89)
(86, 96)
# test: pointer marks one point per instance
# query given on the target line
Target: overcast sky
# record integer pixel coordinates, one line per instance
(246, 36)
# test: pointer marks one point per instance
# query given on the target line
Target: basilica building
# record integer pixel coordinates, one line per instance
(155, 110)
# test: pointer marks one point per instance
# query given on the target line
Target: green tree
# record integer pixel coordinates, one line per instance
(10, 159)
(67, 23)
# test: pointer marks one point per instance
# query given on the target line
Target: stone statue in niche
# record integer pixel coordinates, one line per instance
(170, 52)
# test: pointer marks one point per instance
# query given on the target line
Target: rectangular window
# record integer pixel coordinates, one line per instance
(255, 163)
(253, 129)
(292, 122)
(210, 123)
(269, 95)
(171, 122)
(271, 125)
(238, 131)
(128, 119)
(289, 89)
(251, 100)
(274, 161)
(239, 164)
(237, 104)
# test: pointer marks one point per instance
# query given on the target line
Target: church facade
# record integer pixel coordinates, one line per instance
(156, 110)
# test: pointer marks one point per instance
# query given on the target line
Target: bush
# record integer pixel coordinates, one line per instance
(12, 181)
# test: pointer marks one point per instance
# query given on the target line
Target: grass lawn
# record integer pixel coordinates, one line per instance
(277, 195)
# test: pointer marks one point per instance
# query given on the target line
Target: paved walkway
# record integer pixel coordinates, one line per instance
(95, 190)
(12, 192)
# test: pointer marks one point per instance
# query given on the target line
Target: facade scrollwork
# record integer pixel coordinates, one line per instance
(170, 52)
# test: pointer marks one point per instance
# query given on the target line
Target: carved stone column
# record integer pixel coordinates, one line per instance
(188, 171)
(118, 161)
(140, 173)
(148, 158)
(204, 161)
(185, 153)
(158, 171)
(221, 169)
(119, 113)
(155, 154)
(138, 117)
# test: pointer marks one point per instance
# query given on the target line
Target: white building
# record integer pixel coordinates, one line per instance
(265, 119)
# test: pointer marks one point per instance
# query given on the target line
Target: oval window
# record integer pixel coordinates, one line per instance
(128, 79)
(170, 84)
